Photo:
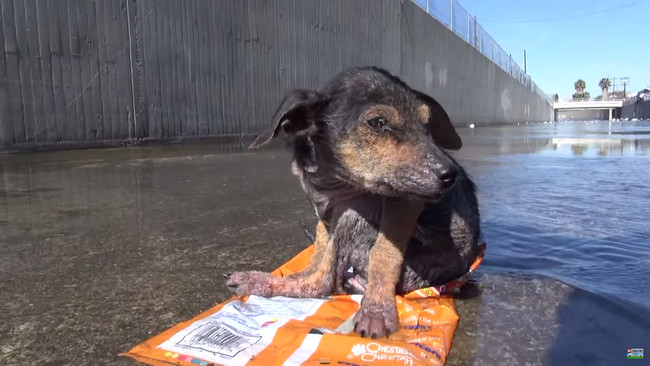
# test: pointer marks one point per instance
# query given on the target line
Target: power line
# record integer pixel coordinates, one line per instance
(560, 18)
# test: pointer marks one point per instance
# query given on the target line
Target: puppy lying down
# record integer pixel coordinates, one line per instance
(370, 153)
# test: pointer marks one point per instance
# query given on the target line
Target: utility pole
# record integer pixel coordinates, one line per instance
(625, 81)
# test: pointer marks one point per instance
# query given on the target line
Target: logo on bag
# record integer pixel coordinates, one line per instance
(374, 351)
(358, 349)
(267, 323)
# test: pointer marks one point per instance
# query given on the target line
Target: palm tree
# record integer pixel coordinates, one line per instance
(604, 85)
(580, 93)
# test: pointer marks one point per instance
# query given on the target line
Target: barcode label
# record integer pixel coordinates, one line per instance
(218, 338)
(240, 330)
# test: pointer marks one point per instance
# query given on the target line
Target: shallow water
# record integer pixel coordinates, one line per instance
(121, 244)
(569, 201)
(566, 203)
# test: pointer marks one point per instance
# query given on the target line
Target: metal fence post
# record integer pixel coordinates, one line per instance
(475, 34)
(468, 33)
(451, 17)
(525, 66)
(510, 66)
(491, 49)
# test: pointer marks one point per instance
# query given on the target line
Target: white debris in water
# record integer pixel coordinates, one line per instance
(471, 125)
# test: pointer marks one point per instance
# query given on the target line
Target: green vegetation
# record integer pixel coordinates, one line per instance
(604, 85)
(580, 86)
(580, 93)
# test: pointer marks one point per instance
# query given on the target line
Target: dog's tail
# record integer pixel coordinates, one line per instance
(310, 234)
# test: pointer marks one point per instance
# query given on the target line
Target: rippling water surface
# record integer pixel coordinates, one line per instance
(570, 201)
(565, 216)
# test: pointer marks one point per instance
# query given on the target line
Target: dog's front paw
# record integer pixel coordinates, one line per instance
(376, 320)
(251, 283)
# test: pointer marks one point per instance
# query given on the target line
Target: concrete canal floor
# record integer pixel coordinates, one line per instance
(102, 249)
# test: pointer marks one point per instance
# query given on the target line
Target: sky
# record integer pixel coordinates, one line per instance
(567, 40)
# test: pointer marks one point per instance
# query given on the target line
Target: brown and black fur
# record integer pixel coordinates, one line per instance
(392, 203)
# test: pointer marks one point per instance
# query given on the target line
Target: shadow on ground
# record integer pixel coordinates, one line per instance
(531, 320)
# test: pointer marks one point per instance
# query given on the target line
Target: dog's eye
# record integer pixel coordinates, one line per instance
(377, 123)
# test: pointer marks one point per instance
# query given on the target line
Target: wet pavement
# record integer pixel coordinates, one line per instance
(102, 249)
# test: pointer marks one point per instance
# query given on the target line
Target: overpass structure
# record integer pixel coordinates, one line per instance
(590, 109)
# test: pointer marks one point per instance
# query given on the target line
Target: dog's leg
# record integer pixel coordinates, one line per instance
(377, 316)
(316, 280)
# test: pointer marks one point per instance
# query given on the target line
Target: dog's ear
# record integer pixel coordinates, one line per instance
(296, 115)
(440, 127)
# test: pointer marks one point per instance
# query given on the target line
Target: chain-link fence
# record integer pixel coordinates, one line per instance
(460, 21)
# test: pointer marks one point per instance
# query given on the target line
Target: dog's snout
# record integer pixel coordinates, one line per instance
(446, 174)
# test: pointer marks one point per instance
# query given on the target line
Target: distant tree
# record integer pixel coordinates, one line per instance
(604, 85)
(584, 95)
(580, 86)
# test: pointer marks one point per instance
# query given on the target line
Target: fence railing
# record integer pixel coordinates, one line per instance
(464, 24)
(580, 100)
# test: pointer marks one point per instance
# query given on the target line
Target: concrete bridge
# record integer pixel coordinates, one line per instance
(590, 109)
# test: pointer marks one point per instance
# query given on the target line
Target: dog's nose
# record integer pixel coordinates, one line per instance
(447, 175)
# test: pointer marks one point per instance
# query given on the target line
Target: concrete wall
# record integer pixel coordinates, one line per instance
(468, 85)
(123, 70)
(642, 110)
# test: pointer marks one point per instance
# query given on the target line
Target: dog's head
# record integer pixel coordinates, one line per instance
(370, 129)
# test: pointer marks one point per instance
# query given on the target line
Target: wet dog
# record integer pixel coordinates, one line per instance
(392, 204)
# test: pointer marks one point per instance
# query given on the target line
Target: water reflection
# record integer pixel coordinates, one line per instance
(567, 200)
(578, 149)
(579, 139)
(601, 146)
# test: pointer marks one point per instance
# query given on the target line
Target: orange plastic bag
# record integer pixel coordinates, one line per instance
(261, 331)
